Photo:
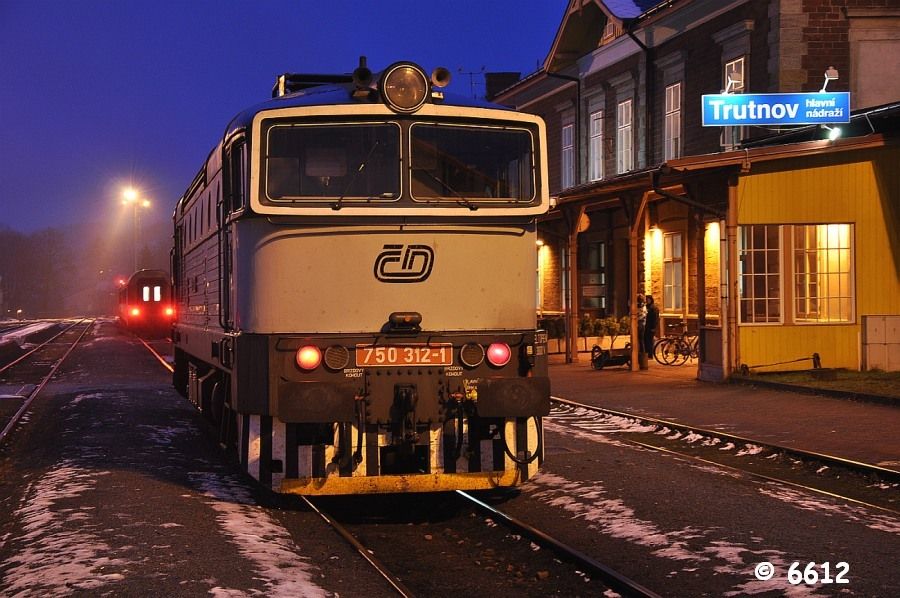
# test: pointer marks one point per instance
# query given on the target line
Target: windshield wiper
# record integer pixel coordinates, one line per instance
(461, 199)
(362, 165)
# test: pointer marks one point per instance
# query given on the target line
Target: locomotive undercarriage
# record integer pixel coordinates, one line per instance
(378, 430)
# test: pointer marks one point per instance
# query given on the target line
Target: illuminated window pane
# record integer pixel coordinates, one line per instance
(823, 277)
(157, 294)
(673, 275)
(760, 273)
(145, 293)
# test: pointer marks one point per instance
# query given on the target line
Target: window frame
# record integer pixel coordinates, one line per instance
(567, 156)
(731, 136)
(796, 274)
(593, 258)
(742, 272)
(595, 146)
(674, 281)
(672, 143)
(624, 136)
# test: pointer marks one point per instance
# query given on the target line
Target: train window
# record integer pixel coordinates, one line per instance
(236, 165)
(353, 162)
(478, 164)
(157, 294)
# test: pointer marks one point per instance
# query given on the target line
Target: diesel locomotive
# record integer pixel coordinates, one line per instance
(355, 282)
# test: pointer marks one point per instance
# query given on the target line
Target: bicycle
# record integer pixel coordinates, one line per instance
(676, 349)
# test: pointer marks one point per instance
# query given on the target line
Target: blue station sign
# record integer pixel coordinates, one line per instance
(741, 109)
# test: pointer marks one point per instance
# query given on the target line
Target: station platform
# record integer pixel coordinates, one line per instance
(833, 425)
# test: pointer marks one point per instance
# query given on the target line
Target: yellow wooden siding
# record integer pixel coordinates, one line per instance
(837, 345)
(829, 189)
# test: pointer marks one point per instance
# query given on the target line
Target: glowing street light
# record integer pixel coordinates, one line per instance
(130, 196)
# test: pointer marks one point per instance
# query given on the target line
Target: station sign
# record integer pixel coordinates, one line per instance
(746, 109)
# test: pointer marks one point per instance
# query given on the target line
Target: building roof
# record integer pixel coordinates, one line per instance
(582, 26)
(629, 9)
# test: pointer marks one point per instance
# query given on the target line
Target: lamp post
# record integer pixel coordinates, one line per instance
(130, 196)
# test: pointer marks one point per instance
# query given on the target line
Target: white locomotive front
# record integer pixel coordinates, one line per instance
(355, 271)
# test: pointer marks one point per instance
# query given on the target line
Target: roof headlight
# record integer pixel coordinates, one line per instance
(404, 87)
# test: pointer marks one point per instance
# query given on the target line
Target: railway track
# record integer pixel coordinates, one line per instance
(462, 541)
(24, 378)
(852, 481)
(159, 357)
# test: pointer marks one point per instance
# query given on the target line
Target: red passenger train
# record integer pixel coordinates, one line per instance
(145, 303)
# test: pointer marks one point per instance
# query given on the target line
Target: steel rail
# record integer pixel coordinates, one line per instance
(46, 342)
(395, 582)
(763, 476)
(156, 354)
(683, 428)
(614, 579)
(859, 466)
(34, 393)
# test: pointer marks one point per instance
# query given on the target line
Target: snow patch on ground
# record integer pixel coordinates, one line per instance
(259, 539)
(55, 557)
(612, 516)
(18, 335)
(750, 449)
(575, 431)
(856, 514)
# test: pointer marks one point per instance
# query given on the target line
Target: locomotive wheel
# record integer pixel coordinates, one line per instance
(217, 404)
(180, 373)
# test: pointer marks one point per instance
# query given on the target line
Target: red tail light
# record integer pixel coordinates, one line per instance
(498, 354)
(170, 311)
(309, 357)
(135, 311)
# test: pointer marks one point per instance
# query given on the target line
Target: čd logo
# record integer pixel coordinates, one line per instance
(398, 264)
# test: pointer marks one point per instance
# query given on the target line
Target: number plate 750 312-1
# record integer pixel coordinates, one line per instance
(387, 355)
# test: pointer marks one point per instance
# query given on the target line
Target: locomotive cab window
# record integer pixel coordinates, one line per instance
(353, 162)
(481, 164)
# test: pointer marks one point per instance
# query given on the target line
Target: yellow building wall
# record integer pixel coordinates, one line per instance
(862, 188)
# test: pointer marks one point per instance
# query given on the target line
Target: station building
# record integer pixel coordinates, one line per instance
(774, 244)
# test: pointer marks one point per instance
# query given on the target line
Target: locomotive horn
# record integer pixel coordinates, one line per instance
(362, 76)
(440, 77)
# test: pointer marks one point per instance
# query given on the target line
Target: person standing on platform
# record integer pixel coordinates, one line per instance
(651, 324)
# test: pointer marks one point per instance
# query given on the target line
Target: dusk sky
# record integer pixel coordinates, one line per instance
(96, 95)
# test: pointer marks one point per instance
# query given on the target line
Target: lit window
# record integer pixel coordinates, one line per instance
(734, 70)
(823, 273)
(596, 147)
(145, 293)
(673, 122)
(157, 294)
(568, 156)
(760, 273)
(624, 148)
(673, 273)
